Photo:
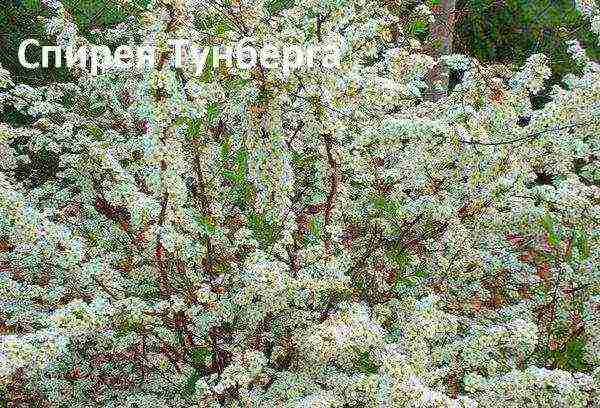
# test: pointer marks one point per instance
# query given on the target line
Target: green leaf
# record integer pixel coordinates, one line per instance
(314, 226)
(190, 384)
(583, 245)
(213, 110)
(181, 120)
(264, 231)
(241, 159)
(365, 365)
(32, 4)
(236, 83)
(388, 207)
(549, 226)
(126, 327)
(276, 6)
(230, 175)
(221, 27)
(95, 132)
(200, 354)
(225, 150)
(417, 27)
(194, 128)
(572, 357)
(242, 193)
(207, 73)
(400, 256)
(207, 224)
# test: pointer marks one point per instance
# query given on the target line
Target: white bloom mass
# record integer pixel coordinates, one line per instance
(243, 237)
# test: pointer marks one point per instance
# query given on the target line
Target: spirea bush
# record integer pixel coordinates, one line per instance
(322, 238)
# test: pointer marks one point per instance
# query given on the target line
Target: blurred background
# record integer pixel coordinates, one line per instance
(494, 31)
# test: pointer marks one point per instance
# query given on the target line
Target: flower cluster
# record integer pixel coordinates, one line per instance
(238, 237)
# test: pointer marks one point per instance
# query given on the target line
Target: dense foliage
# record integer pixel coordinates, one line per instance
(509, 31)
(246, 238)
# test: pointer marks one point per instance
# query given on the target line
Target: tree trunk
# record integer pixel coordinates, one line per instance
(441, 34)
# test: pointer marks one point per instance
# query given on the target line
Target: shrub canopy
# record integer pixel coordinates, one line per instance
(246, 238)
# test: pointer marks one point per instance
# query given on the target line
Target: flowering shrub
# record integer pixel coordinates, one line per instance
(243, 237)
